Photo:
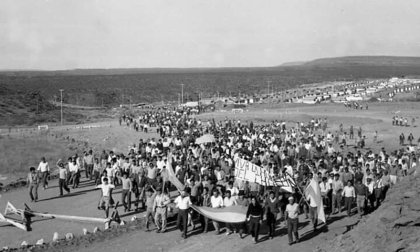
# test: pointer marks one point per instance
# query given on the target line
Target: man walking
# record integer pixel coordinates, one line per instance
(62, 177)
(160, 206)
(32, 181)
(44, 169)
(183, 203)
(361, 196)
(292, 214)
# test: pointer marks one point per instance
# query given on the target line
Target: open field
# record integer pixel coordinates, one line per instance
(112, 136)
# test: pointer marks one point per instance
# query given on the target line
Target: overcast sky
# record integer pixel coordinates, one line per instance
(67, 34)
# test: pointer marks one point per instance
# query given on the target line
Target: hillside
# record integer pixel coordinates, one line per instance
(366, 61)
(111, 87)
(394, 226)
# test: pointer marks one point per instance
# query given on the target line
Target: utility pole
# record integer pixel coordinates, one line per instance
(179, 99)
(268, 91)
(182, 93)
(61, 94)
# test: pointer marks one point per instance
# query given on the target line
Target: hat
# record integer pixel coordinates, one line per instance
(291, 198)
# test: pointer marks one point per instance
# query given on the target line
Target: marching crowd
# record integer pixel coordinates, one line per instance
(348, 180)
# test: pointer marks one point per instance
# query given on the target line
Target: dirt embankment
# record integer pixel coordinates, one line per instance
(394, 226)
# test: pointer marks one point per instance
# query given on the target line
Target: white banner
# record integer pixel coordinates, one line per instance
(247, 171)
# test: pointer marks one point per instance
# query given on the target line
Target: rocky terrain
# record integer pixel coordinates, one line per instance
(394, 226)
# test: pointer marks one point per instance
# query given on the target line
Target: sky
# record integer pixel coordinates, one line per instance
(68, 34)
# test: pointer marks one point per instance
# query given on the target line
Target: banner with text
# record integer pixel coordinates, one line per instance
(247, 171)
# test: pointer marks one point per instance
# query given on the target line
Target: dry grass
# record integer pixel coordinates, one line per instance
(19, 153)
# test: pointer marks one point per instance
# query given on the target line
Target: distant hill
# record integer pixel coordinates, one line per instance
(366, 61)
(111, 87)
(322, 62)
(295, 63)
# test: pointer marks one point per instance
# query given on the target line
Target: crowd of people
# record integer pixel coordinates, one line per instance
(355, 182)
(355, 105)
(402, 121)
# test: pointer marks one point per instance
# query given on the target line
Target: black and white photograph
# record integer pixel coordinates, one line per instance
(209, 125)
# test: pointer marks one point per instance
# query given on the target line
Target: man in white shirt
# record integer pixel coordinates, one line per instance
(228, 201)
(349, 195)
(183, 203)
(105, 201)
(160, 207)
(337, 188)
(325, 189)
(74, 169)
(313, 210)
(160, 163)
(44, 169)
(216, 202)
(292, 217)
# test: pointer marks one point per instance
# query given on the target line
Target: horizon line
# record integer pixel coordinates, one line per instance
(284, 64)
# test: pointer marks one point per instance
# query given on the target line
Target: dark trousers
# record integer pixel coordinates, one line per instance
(62, 184)
(271, 222)
(204, 223)
(181, 221)
(75, 178)
(347, 204)
(89, 171)
(372, 200)
(313, 213)
(97, 177)
(33, 191)
(292, 229)
(242, 228)
(44, 178)
(126, 194)
(378, 196)
(254, 227)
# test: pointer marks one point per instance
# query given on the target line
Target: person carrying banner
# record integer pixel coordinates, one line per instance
(242, 201)
(254, 216)
(205, 201)
(216, 202)
(313, 210)
(227, 202)
(272, 205)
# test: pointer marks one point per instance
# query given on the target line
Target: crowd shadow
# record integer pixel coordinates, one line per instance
(68, 195)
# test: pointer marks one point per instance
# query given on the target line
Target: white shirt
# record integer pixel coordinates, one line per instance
(183, 203)
(160, 164)
(311, 200)
(324, 188)
(234, 191)
(73, 167)
(216, 202)
(43, 167)
(227, 202)
(105, 189)
(292, 210)
(348, 191)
